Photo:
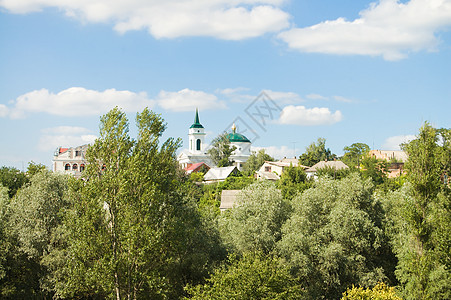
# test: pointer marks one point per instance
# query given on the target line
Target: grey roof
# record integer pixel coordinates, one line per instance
(218, 173)
(335, 164)
(268, 175)
(228, 198)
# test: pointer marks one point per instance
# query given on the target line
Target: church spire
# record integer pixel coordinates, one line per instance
(196, 123)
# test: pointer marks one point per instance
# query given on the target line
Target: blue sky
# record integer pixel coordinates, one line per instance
(360, 71)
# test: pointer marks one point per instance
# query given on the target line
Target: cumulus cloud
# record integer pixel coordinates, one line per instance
(394, 142)
(300, 115)
(188, 100)
(77, 101)
(64, 136)
(388, 28)
(4, 111)
(224, 19)
(278, 152)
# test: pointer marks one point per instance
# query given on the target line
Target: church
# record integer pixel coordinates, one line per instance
(197, 149)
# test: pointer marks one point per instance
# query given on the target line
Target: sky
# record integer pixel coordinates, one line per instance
(285, 71)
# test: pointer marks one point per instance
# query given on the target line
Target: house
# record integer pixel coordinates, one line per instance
(197, 167)
(334, 164)
(267, 175)
(396, 158)
(219, 174)
(70, 160)
(198, 151)
(228, 199)
(277, 167)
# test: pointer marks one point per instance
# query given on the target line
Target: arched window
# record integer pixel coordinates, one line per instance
(82, 167)
(67, 167)
(75, 167)
(198, 144)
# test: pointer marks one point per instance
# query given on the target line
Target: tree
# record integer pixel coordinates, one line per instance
(254, 276)
(12, 179)
(315, 153)
(335, 238)
(374, 168)
(221, 150)
(255, 161)
(34, 215)
(132, 233)
(34, 168)
(353, 154)
(255, 223)
(293, 181)
(421, 217)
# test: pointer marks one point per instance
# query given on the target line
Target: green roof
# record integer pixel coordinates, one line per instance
(236, 137)
(196, 123)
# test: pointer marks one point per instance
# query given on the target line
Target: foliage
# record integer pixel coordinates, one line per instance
(315, 153)
(13, 179)
(254, 276)
(34, 214)
(131, 232)
(255, 224)
(34, 168)
(380, 292)
(335, 237)
(221, 150)
(421, 218)
(374, 168)
(292, 181)
(354, 153)
(333, 172)
(255, 161)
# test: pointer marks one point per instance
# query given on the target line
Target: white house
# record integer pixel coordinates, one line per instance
(219, 174)
(70, 160)
(272, 170)
(334, 164)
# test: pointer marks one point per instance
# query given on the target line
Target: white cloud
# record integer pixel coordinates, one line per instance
(66, 136)
(4, 110)
(388, 28)
(77, 101)
(188, 100)
(224, 19)
(343, 99)
(284, 97)
(300, 115)
(278, 152)
(316, 97)
(392, 143)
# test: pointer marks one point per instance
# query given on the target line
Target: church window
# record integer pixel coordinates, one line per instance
(198, 144)
(67, 167)
(75, 167)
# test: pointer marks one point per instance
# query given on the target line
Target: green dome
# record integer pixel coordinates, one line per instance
(237, 138)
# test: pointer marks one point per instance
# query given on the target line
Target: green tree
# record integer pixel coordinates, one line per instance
(12, 179)
(34, 215)
(132, 233)
(374, 168)
(421, 213)
(221, 150)
(255, 161)
(254, 276)
(255, 224)
(332, 172)
(293, 181)
(353, 154)
(335, 238)
(34, 168)
(315, 153)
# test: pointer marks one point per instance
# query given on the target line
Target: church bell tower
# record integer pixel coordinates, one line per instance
(196, 136)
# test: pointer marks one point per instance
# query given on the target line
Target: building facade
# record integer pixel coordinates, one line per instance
(70, 160)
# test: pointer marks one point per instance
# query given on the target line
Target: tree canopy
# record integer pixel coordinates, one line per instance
(315, 153)
(221, 150)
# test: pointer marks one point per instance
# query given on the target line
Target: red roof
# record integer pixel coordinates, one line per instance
(195, 166)
(63, 150)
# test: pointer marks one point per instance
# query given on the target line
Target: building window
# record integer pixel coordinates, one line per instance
(267, 169)
(67, 167)
(82, 167)
(77, 153)
(198, 144)
(75, 167)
